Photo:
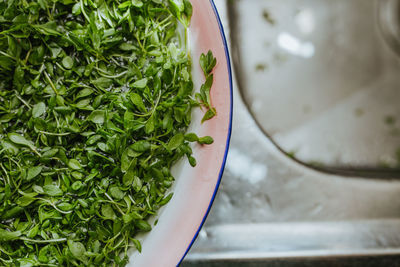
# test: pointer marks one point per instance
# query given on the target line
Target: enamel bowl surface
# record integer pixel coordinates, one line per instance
(194, 190)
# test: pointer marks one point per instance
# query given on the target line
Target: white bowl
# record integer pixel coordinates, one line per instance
(179, 222)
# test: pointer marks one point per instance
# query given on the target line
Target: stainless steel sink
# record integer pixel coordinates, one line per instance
(312, 172)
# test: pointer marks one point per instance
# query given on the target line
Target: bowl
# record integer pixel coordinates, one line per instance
(180, 221)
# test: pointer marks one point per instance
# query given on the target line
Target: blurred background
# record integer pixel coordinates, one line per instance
(313, 172)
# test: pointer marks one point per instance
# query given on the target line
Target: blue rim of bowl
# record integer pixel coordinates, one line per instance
(221, 172)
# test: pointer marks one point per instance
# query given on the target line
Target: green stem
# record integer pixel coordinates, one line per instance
(23, 101)
(51, 83)
(55, 134)
(43, 241)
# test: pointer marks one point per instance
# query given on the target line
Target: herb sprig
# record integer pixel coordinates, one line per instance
(95, 101)
(207, 63)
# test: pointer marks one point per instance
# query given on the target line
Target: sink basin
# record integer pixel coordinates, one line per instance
(312, 171)
(321, 80)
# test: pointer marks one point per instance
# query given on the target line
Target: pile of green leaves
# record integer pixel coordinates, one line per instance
(95, 101)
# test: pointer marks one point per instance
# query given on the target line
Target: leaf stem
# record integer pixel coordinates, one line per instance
(50, 82)
(43, 241)
(23, 101)
(55, 134)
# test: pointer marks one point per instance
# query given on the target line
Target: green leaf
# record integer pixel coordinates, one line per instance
(42, 257)
(97, 116)
(37, 56)
(207, 62)
(49, 28)
(93, 139)
(76, 9)
(9, 147)
(12, 213)
(176, 7)
(33, 172)
(165, 200)
(191, 137)
(192, 161)
(52, 190)
(55, 51)
(26, 200)
(138, 102)
(137, 184)
(108, 212)
(116, 193)
(38, 189)
(84, 93)
(103, 147)
(137, 244)
(9, 236)
(74, 164)
(7, 117)
(141, 146)
(126, 161)
(143, 225)
(206, 140)
(68, 62)
(150, 125)
(77, 175)
(188, 10)
(209, 114)
(84, 104)
(205, 89)
(33, 232)
(78, 250)
(127, 47)
(38, 110)
(6, 62)
(128, 178)
(103, 83)
(125, 4)
(140, 83)
(76, 185)
(128, 218)
(20, 140)
(176, 141)
(50, 153)
(137, 3)
(65, 206)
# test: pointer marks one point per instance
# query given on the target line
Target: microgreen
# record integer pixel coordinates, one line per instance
(95, 101)
(207, 63)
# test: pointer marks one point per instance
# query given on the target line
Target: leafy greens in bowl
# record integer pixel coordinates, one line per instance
(96, 100)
